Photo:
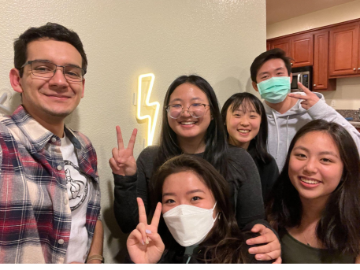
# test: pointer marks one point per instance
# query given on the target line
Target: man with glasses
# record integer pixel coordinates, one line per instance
(49, 185)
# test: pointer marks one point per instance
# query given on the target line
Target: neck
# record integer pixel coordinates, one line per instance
(52, 123)
(283, 106)
(312, 210)
(192, 146)
(234, 142)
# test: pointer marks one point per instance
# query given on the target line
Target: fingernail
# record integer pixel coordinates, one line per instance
(148, 231)
(147, 241)
(142, 241)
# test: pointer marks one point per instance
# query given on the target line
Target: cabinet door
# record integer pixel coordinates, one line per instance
(321, 54)
(343, 57)
(302, 50)
(268, 45)
(284, 44)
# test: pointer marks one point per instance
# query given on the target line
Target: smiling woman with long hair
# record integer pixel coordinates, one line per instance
(192, 124)
(246, 126)
(314, 204)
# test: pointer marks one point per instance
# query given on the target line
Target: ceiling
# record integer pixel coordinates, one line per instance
(280, 10)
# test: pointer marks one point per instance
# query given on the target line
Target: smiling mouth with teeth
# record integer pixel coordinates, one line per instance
(187, 123)
(243, 131)
(309, 181)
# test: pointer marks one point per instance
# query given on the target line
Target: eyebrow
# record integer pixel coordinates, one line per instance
(187, 193)
(321, 153)
(266, 72)
(48, 61)
(179, 99)
(238, 110)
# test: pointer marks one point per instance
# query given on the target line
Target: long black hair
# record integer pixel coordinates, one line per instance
(224, 243)
(247, 101)
(216, 145)
(338, 228)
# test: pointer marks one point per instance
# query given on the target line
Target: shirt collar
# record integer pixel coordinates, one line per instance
(37, 135)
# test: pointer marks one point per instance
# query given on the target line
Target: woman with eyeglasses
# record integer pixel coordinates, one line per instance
(192, 124)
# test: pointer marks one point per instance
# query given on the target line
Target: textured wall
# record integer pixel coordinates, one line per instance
(347, 94)
(216, 39)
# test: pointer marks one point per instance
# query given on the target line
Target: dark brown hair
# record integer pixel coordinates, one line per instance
(260, 140)
(224, 243)
(266, 56)
(338, 228)
(52, 31)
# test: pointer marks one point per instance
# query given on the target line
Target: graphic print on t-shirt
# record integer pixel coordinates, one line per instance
(77, 185)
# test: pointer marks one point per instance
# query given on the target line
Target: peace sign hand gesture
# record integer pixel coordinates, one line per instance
(123, 161)
(309, 99)
(144, 243)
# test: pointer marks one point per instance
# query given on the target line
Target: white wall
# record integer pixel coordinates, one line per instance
(216, 39)
(347, 94)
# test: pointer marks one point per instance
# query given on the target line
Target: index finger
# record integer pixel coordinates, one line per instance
(120, 141)
(156, 218)
(303, 88)
(142, 211)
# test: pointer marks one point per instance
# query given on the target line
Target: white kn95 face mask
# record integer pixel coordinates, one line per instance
(189, 224)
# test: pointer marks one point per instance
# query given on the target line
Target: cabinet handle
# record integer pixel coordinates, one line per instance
(354, 68)
(314, 84)
(359, 68)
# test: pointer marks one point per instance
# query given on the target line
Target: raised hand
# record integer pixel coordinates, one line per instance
(144, 243)
(123, 161)
(309, 99)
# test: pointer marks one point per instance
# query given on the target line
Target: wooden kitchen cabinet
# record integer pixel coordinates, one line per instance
(344, 50)
(321, 79)
(284, 44)
(302, 50)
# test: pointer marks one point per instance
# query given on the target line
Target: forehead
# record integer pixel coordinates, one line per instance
(245, 106)
(317, 141)
(58, 52)
(188, 91)
(271, 64)
(182, 182)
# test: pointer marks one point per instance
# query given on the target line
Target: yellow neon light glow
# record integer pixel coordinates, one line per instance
(151, 122)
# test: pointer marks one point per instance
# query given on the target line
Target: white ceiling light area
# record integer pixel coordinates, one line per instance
(280, 10)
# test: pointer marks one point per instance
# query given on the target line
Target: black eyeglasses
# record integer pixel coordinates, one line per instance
(45, 69)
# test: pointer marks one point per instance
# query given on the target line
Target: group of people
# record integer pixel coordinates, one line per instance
(253, 182)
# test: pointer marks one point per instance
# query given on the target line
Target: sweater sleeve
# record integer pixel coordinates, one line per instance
(249, 200)
(128, 188)
(323, 111)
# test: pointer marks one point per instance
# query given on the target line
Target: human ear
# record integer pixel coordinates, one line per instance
(15, 80)
(254, 85)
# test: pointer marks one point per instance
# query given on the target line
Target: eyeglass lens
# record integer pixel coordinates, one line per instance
(195, 110)
(47, 70)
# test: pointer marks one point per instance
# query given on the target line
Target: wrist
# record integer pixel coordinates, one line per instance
(95, 259)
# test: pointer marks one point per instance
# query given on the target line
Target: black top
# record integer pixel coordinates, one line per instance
(268, 171)
(175, 253)
(246, 198)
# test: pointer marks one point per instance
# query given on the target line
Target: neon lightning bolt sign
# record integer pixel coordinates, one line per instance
(154, 105)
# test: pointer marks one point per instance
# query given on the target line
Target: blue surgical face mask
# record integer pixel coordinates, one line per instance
(275, 89)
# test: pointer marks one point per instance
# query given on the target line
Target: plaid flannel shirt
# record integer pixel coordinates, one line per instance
(35, 216)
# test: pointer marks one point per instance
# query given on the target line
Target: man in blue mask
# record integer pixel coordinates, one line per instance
(288, 112)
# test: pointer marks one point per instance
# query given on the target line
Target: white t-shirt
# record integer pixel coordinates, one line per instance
(78, 189)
